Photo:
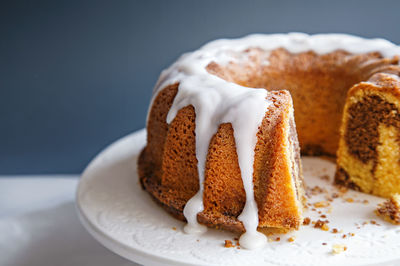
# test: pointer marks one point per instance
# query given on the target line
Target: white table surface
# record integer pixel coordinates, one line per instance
(39, 225)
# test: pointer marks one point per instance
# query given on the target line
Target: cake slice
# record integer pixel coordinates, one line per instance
(390, 209)
(368, 158)
(172, 178)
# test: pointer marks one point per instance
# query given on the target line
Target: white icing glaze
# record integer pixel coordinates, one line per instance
(217, 101)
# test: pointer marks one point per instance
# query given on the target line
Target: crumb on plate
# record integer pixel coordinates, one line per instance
(338, 248)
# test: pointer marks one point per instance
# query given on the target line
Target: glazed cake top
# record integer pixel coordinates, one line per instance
(220, 50)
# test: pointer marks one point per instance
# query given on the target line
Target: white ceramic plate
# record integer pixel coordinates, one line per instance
(120, 215)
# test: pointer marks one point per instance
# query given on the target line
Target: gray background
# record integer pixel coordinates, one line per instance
(77, 75)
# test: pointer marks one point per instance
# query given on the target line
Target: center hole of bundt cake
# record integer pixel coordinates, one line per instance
(317, 83)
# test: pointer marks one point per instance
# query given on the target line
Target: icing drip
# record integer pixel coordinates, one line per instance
(217, 101)
(245, 132)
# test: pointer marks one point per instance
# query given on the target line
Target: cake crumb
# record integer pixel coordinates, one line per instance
(335, 231)
(322, 225)
(365, 201)
(323, 216)
(316, 190)
(306, 221)
(325, 227)
(324, 244)
(229, 244)
(321, 204)
(343, 189)
(324, 177)
(291, 239)
(328, 198)
(338, 248)
(174, 228)
(278, 239)
(350, 200)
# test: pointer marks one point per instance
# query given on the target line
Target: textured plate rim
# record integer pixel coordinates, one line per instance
(130, 253)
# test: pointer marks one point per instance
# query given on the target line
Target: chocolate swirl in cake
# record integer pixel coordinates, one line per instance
(365, 116)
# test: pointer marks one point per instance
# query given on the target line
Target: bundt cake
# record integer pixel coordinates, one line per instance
(222, 146)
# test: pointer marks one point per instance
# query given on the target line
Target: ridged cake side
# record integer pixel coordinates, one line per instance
(173, 180)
